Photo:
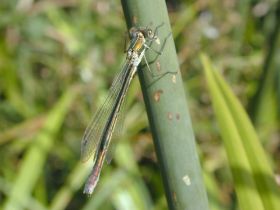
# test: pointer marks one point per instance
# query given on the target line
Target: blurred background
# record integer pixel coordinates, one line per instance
(57, 62)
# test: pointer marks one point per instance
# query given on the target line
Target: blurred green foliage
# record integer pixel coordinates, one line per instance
(57, 61)
(254, 180)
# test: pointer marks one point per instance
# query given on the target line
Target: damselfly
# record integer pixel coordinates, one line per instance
(98, 134)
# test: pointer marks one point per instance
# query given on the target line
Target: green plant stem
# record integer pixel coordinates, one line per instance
(167, 110)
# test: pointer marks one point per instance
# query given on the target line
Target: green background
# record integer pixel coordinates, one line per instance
(57, 61)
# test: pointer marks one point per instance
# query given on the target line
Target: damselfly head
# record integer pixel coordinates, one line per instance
(148, 34)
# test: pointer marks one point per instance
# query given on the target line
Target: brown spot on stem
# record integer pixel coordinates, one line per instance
(157, 95)
(169, 116)
(174, 79)
(134, 20)
(158, 65)
(177, 116)
(174, 197)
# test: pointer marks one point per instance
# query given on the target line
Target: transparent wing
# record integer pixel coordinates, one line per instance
(117, 132)
(119, 121)
(93, 134)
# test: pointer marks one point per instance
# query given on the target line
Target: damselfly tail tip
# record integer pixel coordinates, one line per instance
(91, 184)
(88, 190)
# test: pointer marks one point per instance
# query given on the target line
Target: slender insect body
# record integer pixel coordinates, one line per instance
(98, 134)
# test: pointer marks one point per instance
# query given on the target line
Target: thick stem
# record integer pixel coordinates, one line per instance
(167, 109)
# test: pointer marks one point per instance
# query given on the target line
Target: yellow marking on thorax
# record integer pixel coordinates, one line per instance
(139, 43)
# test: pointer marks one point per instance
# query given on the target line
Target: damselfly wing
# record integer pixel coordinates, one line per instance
(97, 136)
